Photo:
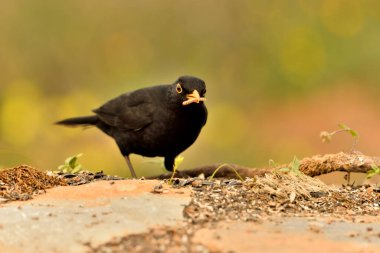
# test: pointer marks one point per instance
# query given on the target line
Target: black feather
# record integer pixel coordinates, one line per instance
(153, 121)
(79, 121)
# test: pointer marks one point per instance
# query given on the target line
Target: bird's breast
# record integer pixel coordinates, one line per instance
(177, 129)
(170, 133)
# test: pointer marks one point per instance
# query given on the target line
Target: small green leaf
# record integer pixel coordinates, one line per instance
(178, 160)
(370, 174)
(353, 133)
(73, 160)
(295, 165)
(77, 169)
(374, 171)
(285, 169)
(272, 163)
(70, 165)
(67, 160)
(348, 129)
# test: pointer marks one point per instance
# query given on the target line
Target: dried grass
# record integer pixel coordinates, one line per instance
(21, 182)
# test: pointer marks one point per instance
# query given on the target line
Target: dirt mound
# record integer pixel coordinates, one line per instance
(253, 200)
(21, 182)
(164, 239)
(286, 194)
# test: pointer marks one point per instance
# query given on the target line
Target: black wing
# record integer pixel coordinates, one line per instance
(130, 111)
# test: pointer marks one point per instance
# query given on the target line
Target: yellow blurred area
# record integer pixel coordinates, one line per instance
(222, 127)
(21, 113)
(277, 73)
(343, 18)
(303, 55)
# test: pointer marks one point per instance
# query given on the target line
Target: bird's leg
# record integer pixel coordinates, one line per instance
(133, 173)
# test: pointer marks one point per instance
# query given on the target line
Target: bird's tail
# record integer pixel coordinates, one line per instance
(79, 121)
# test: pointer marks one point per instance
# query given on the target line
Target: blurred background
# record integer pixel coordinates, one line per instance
(277, 73)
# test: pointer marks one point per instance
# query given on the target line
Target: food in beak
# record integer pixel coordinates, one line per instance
(193, 98)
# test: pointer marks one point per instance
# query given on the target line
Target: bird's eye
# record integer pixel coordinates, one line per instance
(204, 91)
(178, 88)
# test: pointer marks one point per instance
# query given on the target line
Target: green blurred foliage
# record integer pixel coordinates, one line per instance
(63, 58)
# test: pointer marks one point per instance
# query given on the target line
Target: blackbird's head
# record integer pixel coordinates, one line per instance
(188, 90)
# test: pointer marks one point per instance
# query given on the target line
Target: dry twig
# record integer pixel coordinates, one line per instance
(311, 166)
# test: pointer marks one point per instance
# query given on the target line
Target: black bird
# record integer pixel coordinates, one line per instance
(161, 120)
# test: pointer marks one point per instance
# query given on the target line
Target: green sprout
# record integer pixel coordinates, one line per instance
(224, 165)
(272, 163)
(178, 160)
(327, 136)
(294, 167)
(373, 172)
(71, 166)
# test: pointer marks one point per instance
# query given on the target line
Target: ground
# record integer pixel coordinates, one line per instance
(275, 212)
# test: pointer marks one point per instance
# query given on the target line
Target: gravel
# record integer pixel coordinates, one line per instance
(250, 200)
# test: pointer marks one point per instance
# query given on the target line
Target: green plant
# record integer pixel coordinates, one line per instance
(327, 136)
(373, 172)
(71, 166)
(272, 163)
(223, 165)
(294, 167)
(178, 160)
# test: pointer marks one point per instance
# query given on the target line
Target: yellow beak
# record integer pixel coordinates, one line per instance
(193, 97)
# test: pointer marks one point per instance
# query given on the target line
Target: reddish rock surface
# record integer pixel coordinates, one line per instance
(70, 218)
(67, 217)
